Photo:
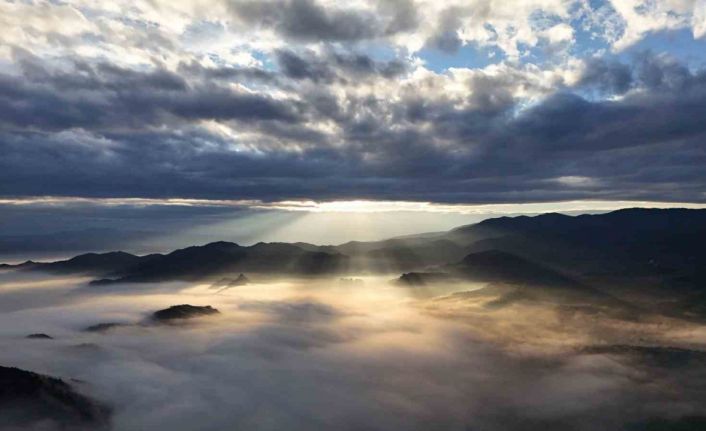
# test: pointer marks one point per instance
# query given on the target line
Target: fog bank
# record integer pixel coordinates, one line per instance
(320, 354)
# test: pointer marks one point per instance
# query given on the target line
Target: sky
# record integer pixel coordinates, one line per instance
(213, 112)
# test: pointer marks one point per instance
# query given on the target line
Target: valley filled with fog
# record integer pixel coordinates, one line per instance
(369, 215)
(352, 353)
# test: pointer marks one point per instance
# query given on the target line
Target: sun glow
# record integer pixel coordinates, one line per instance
(355, 206)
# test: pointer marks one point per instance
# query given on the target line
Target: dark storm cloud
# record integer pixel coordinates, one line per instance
(106, 96)
(337, 66)
(297, 67)
(611, 77)
(310, 21)
(227, 73)
(665, 73)
(96, 130)
(655, 133)
(158, 163)
(648, 71)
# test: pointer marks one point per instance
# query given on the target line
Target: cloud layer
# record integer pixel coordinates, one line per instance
(310, 99)
(302, 355)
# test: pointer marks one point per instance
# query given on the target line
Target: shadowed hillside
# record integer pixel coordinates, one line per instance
(27, 397)
(660, 248)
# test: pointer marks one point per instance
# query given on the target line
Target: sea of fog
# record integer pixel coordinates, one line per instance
(324, 354)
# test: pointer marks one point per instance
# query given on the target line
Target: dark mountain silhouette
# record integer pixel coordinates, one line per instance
(39, 337)
(27, 397)
(24, 265)
(319, 248)
(637, 242)
(402, 254)
(663, 248)
(89, 263)
(187, 264)
(500, 266)
(514, 279)
(493, 266)
(193, 263)
(181, 312)
(411, 255)
(627, 242)
(172, 314)
(621, 253)
(218, 258)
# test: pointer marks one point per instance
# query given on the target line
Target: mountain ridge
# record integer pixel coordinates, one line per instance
(665, 244)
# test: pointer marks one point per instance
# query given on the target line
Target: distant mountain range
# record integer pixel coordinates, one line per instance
(658, 247)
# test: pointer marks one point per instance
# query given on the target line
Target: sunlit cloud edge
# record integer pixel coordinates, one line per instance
(351, 206)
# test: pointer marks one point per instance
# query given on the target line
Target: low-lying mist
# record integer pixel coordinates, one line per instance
(367, 354)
